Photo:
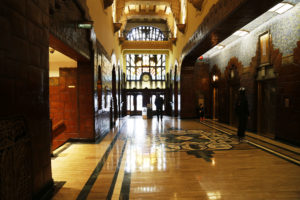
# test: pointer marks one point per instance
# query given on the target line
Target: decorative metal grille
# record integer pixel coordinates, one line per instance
(147, 33)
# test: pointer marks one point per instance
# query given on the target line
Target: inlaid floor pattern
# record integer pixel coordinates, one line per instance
(172, 159)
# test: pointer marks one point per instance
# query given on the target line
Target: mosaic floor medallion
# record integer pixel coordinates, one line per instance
(199, 143)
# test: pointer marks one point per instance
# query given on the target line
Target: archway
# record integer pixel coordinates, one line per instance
(232, 76)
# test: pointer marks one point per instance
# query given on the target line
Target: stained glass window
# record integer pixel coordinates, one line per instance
(145, 33)
(138, 73)
(158, 73)
(153, 73)
(137, 64)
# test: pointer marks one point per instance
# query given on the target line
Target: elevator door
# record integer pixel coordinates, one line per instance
(268, 108)
(233, 95)
(215, 104)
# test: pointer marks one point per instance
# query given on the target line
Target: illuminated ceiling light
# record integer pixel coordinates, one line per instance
(219, 46)
(284, 8)
(276, 7)
(241, 33)
(281, 8)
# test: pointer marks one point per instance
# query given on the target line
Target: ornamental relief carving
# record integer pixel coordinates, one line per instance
(197, 4)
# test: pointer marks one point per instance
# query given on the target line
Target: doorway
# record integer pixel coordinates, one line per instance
(63, 95)
(215, 103)
(267, 107)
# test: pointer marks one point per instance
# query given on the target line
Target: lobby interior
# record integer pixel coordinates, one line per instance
(78, 83)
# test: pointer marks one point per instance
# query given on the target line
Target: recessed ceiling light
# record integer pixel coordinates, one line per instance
(281, 8)
(219, 46)
(241, 33)
(276, 7)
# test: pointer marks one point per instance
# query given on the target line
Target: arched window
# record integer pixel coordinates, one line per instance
(146, 33)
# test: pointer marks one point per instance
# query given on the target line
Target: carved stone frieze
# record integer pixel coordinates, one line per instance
(107, 3)
(197, 4)
(181, 27)
(117, 26)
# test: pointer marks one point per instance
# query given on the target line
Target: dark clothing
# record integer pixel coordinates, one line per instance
(159, 113)
(201, 112)
(159, 101)
(242, 112)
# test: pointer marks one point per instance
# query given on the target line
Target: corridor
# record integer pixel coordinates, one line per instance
(172, 159)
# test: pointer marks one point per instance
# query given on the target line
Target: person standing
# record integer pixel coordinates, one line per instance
(159, 101)
(242, 112)
(201, 112)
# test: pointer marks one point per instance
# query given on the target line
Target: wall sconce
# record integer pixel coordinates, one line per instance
(85, 25)
(231, 73)
(215, 78)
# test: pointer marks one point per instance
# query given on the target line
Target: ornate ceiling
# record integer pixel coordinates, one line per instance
(147, 11)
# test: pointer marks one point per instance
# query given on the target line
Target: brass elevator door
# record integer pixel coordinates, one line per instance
(267, 108)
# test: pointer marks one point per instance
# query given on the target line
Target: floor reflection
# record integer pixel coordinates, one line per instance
(145, 161)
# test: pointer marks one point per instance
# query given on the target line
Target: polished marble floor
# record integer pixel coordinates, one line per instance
(172, 159)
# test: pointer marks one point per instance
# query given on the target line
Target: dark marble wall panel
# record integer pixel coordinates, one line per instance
(86, 100)
(194, 86)
(188, 98)
(63, 25)
(24, 83)
(103, 111)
